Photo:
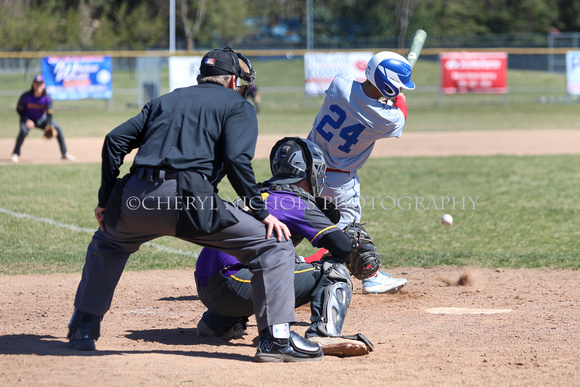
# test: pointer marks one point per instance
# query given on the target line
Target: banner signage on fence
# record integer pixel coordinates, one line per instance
(573, 72)
(473, 72)
(321, 68)
(78, 77)
(183, 71)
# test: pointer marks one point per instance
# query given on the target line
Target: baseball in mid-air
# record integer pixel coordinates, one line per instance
(447, 220)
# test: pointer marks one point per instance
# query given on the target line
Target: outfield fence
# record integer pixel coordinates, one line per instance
(22, 65)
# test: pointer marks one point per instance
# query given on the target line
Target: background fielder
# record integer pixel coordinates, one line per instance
(34, 108)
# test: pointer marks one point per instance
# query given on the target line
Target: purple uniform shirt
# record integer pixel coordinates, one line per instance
(34, 108)
(301, 216)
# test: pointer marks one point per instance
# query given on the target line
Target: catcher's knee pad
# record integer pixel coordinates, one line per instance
(80, 317)
(336, 272)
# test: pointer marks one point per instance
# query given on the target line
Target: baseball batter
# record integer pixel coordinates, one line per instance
(352, 118)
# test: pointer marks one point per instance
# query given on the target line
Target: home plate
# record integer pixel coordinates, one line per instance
(466, 311)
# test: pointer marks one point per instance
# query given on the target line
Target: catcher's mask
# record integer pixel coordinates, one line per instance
(225, 61)
(293, 159)
(389, 72)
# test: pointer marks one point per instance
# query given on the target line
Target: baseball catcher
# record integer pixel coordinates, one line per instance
(224, 285)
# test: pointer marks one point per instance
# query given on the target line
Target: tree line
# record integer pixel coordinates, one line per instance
(40, 25)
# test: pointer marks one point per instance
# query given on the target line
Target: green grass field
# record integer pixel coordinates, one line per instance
(526, 214)
(526, 211)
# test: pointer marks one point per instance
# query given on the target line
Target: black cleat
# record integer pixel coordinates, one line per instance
(234, 332)
(292, 349)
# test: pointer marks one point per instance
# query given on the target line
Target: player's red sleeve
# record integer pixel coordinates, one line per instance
(399, 102)
(317, 256)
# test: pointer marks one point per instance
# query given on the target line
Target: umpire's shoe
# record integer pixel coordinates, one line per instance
(84, 330)
(278, 344)
(82, 339)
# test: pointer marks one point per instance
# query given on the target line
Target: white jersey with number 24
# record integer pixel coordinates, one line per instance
(349, 123)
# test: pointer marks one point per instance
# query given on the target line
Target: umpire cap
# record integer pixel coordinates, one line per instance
(225, 61)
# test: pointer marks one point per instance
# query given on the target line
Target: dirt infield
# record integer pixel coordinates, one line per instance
(448, 326)
(481, 143)
(515, 327)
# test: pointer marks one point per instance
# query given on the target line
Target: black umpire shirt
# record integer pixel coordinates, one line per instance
(207, 128)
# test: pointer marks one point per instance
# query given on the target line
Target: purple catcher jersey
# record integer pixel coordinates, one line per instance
(301, 216)
(349, 123)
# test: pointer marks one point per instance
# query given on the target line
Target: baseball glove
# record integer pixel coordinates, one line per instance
(49, 132)
(365, 260)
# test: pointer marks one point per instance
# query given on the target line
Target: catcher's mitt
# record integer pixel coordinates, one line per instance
(365, 260)
(49, 132)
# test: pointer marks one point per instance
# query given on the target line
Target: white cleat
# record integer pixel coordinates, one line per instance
(69, 157)
(383, 283)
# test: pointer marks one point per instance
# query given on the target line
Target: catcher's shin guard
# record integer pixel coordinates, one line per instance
(83, 330)
(331, 302)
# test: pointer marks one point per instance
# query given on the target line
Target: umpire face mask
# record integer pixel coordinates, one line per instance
(246, 77)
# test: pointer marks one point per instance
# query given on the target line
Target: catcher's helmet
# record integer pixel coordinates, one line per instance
(293, 159)
(389, 72)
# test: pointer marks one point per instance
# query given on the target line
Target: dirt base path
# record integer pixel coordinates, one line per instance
(482, 143)
(504, 327)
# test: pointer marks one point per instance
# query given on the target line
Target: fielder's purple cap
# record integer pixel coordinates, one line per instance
(221, 61)
(38, 78)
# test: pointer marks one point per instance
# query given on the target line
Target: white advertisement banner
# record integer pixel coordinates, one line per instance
(183, 71)
(573, 72)
(321, 68)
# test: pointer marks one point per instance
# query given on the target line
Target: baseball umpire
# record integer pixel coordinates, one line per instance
(292, 195)
(188, 140)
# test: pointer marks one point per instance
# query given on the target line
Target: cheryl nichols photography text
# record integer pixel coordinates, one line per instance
(369, 203)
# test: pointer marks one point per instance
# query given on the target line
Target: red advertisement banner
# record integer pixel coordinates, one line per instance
(473, 72)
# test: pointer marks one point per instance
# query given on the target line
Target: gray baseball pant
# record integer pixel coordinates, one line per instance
(271, 262)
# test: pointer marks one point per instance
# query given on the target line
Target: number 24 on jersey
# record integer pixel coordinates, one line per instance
(349, 133)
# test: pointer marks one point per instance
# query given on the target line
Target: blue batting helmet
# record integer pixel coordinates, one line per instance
(389, 72)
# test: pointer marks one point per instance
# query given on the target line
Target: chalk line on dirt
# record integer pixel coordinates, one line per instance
(466, 311)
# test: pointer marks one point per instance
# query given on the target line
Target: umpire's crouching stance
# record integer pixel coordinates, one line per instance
(188, 140)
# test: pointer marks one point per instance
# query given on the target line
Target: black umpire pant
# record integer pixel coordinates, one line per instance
(142, 219)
